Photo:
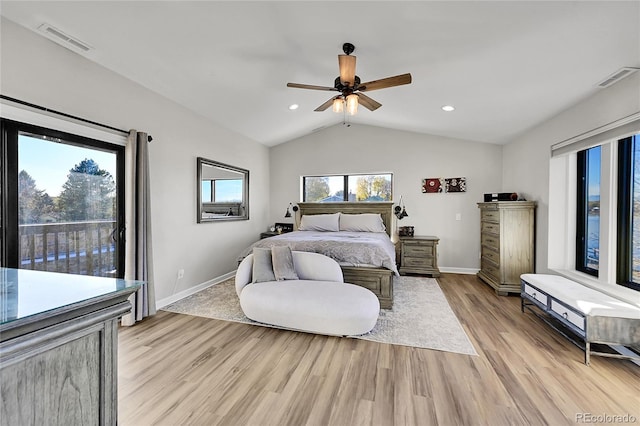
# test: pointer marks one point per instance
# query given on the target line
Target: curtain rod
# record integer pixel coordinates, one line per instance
(18, 101)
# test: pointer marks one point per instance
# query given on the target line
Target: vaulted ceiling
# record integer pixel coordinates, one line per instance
(505, 66)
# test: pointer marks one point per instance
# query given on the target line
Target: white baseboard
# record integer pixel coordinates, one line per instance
(466, 271)
(191, 290)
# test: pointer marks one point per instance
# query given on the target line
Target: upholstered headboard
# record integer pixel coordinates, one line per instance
(385, 208)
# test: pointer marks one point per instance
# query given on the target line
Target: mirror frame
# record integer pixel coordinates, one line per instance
(245, 190)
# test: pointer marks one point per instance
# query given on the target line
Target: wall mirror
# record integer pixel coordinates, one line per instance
(223, 191)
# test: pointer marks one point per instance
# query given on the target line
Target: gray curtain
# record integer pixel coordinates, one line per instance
(138, 247)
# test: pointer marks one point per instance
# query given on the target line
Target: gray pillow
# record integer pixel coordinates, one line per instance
(283, 263)
(262, 266)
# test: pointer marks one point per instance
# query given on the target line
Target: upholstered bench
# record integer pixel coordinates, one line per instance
(593, 316)
(318, 302)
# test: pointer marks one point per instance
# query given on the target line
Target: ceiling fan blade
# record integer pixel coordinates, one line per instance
(347, 64)
(368, 103)
(310, 86)
(397, 80)
(325, 105)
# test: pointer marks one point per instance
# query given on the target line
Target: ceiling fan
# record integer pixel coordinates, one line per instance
(350, 88)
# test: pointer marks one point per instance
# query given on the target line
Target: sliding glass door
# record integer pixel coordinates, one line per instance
(63, 207)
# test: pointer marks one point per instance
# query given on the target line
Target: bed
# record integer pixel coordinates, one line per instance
(366, 258)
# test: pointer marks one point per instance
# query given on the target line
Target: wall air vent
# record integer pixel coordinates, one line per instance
(617, 76)
(64, 39)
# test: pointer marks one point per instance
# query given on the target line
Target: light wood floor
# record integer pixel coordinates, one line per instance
(176, 369)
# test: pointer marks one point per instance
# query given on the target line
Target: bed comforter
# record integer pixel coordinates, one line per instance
(360, 249)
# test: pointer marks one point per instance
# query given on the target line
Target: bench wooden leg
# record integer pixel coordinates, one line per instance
(587, 352)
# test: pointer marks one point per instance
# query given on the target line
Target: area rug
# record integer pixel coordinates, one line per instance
(421, 316)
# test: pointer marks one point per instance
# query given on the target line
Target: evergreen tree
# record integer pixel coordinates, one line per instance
(34, 205)
(88, 193)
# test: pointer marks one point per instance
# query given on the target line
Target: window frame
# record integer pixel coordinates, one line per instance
(582, 215)
(624, 244)
(345, 185)
(9, 133)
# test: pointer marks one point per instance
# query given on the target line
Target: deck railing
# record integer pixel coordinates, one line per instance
(86, 248)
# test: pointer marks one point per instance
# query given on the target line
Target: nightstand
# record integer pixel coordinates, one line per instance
(268, 234)
(419, 255)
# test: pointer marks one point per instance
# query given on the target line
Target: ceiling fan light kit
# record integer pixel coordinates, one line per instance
(350, 87)
(338, 104)
(352, 104)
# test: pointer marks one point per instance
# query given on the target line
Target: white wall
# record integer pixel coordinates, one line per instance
(39, 71)
(411, 157)
(526, 158)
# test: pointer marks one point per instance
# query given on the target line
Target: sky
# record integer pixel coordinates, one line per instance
(594, 172)
(48, 163)
(227, 190)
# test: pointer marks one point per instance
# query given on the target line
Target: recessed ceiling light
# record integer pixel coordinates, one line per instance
(448, 108)
(293, 107)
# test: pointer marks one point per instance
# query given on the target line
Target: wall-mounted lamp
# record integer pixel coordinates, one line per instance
(291, 207)
(400, 210)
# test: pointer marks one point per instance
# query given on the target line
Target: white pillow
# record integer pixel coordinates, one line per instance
(320, 222)
(365, 222)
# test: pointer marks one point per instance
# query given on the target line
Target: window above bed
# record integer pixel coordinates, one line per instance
(343, 188)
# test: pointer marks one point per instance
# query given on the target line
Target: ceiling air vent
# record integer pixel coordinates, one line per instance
(64, 39)
(617, 76)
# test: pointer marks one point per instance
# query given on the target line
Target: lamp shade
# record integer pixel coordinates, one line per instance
(352, 104)
(338, 104)
(347, 64)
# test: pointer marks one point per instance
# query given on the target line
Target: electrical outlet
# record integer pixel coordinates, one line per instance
(180, 273)
(458, 216)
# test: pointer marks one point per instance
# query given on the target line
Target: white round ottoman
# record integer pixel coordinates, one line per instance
(322, 307)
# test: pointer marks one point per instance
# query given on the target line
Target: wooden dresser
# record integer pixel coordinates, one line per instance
(507, 241)
(59, 347)
(419, 255)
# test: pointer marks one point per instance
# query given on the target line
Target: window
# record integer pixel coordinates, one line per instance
(594, 208)
(627, 210)
(588, 211)
(628, 247)
(338, 188)
(62, 202)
